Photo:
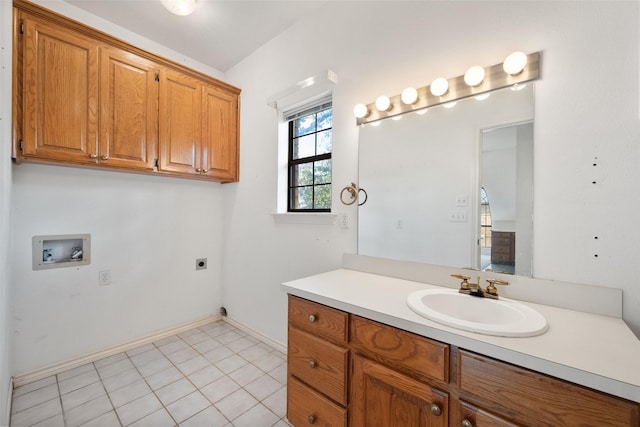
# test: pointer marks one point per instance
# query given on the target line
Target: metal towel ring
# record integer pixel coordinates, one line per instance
(354, 192)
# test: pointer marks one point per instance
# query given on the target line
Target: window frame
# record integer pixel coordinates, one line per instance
(315, 109)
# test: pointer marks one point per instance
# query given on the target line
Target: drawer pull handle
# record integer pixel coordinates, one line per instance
(93, 156)
(467, 423)
(105, 157)
(312, 318)
(312, 363)
(435, 410)
(312, 419)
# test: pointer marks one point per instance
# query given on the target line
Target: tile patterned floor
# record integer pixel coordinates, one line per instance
(212, 376)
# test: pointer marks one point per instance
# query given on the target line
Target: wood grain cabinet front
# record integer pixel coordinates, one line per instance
(84, 98)
(525, 397)
(58, 86)
(346, 369)
(317, 364)
(384, 397)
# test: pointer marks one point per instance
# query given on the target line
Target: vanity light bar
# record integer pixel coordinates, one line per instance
(495, 78)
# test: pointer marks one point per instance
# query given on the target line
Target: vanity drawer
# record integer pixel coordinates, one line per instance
(524, 395)
(400, 348)
(318, 319)
(305, 406)
(318, 363)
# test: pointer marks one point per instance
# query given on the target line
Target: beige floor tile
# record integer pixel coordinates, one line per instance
(194, 379)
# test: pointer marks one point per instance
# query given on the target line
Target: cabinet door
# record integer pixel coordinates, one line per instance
(382, 397)
(220, 134)
(60, 93)
(128, 110)
(180, 123)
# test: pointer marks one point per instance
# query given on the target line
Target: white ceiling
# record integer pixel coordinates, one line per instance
(220, 33)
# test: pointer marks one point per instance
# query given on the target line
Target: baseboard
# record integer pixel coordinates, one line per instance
(257, 335)
(7, 417)
(41, 373)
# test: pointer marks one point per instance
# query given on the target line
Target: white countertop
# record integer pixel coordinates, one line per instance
(596, 351)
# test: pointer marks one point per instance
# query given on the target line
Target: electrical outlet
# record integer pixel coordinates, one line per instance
(344, 221)
(458, 216)
(201, 264)
(104, 277)
(462, 200)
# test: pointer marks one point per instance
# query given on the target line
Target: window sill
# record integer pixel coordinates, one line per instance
(326, 218)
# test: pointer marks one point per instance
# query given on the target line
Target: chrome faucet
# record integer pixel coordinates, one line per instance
(474, 289)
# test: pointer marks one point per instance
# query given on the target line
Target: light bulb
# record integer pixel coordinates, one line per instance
(383, 103)
(474, 75)
(409, 95)
(482, 96)
(440, 86)
(180, 7)
(360, 111)
(515, 63)
(450, 104)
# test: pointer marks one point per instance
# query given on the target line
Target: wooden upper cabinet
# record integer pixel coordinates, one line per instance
(60, 93)
(85, 98)
(220, 134)
(198, 127)
(128, 110)
(180, 123)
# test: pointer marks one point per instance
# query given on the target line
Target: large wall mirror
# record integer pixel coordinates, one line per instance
(452, 185)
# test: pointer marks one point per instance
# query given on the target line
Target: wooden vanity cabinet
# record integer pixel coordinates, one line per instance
(317, 364)
(84, 98)
(365, 373)
(526, 397)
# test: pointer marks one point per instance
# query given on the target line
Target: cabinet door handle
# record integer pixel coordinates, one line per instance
(312, 318)
(105, 157)
(467, 423)
(93, 156)
(198, 170)
(205, 170)
(311, 419)
(312, 363)
(436, 410)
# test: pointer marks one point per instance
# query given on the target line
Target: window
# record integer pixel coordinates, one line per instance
(310, 146)
(485, 220)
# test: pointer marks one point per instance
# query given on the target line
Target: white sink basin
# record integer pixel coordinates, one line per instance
(502, 317)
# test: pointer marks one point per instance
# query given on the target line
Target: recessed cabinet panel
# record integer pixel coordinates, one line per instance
(129, 110)
(60, 96)
(220, 159)
(384, 397)
(180, 123)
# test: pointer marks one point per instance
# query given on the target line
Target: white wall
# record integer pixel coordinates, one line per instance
(147, 230)
(586, 107)
(6, 368)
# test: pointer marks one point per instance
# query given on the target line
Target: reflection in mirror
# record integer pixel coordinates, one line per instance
(423, 175)
(506, 199)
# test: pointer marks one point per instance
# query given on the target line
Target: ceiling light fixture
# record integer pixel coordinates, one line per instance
(179, 7)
